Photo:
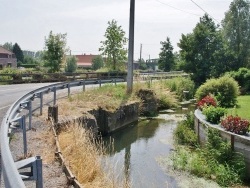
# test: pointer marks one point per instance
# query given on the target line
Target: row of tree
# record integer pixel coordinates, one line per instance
(211, 50)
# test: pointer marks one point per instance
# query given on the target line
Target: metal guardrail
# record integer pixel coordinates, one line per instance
(12, 177)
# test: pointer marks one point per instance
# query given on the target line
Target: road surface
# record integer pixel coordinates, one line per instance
(8, 95)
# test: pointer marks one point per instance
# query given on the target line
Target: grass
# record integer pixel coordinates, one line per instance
(215, 160)
(110, 98)
(243, 107)
(84, 154)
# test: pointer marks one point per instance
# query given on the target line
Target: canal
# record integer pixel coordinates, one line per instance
(135, 151)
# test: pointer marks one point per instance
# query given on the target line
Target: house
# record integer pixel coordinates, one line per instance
(85, 61)
(7, 58)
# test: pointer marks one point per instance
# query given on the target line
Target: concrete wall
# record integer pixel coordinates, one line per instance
(111, 121)
(239, 143)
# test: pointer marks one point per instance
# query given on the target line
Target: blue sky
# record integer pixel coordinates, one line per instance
(27, 22)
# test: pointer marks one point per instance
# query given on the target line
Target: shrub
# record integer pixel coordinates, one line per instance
(184, 132)
(225, 89)
(235, 124)
(207, 101)
(214, 114)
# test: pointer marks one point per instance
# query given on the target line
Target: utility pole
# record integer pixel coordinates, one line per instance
(131, 47)
(140, 52)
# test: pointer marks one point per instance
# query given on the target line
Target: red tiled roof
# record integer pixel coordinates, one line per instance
(4, 51)
(85, 60)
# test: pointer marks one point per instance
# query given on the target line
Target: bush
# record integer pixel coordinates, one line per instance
(209, 100)
(225, 89)
(235, 124)
(214, 114)
(184, 132)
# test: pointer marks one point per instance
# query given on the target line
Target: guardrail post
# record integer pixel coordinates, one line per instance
(41, 103)
(83, 86)
(68, 89)
(23, 127)
(39, 180)
(54, 102)
(30, 114)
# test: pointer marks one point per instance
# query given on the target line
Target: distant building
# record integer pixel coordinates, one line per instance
(7, 58)
(152, 64)
(85, 61)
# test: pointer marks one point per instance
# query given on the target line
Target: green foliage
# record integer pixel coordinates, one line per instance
(113, 47)
(18, 52)
(180, 84)
(242, 76)
(215, 160)
(199, 51)
(166, 56)
(55, 49)
(214, 114)
(236, 29)
(8, 46)
(71, 65)
(97, 62)
(225, 89)
(184, 132)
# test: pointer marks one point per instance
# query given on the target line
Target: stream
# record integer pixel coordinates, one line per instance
(137, 147)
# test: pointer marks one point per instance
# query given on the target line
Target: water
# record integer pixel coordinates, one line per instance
(137, 148)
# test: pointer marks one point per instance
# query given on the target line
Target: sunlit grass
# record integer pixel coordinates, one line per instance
(243, 107)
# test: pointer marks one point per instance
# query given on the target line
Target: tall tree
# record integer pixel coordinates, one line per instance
(18, 52)
(166, 57)
(97, 62)
(8, 46)
(198, 48)
(113, 46)
(236, 30)
(55, 50)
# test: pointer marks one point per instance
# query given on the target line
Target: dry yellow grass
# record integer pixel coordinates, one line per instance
(84, 156)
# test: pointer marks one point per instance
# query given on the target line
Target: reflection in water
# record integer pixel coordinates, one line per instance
(136, 149)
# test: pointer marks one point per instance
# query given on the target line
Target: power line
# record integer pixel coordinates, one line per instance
(177, 8)
(204, 10)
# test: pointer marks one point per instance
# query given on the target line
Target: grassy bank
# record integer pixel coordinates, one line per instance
(243, 107)
(214, 160)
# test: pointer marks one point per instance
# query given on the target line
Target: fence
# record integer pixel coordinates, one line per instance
(12, 177)
(16, 78)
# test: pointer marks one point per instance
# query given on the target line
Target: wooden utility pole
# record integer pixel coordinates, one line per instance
(131, 47)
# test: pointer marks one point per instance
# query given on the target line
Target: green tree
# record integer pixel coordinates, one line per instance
(198, 51)
(97, 62)
(55, 50)
(166, 57)
(236, 31)
(8, 46)
(142, 64)
(71, 64)
(18, 52)
(113, 47)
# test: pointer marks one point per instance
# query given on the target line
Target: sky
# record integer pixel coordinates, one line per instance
(85, 21)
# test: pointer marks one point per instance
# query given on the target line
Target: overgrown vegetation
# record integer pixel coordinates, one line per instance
(179, 85)
(215, 160)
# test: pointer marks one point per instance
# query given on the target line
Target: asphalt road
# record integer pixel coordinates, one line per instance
(9, 94)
